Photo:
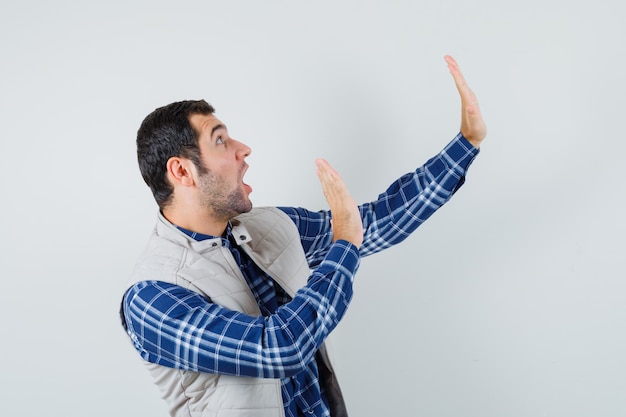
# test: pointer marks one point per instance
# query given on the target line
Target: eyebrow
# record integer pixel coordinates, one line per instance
(217, 127)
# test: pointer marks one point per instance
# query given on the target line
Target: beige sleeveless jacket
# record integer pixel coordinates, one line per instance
(272, 241)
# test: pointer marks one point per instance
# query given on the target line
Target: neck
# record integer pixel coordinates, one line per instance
(196, 221)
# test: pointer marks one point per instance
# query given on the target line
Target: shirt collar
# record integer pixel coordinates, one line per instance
(201, 236)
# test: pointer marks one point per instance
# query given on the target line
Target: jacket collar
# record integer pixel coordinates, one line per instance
(167, 230)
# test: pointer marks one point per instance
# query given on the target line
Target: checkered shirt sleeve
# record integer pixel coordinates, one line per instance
(403, 207)
(179, 328)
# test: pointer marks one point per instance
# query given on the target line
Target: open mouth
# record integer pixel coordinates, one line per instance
(245, 186)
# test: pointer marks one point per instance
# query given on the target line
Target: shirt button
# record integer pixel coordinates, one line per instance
(242, 237)
(214, 244)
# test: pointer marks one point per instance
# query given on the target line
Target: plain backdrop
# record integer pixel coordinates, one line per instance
(510, 301)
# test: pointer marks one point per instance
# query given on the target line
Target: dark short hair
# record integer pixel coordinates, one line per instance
(166, 133)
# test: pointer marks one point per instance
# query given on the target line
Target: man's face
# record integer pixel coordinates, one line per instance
(222, 189)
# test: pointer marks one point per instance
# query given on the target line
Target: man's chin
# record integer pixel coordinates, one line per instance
(243, 206)
(248, 209)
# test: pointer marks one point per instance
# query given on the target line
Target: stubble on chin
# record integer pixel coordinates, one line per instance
(238, 203)
(225, 207)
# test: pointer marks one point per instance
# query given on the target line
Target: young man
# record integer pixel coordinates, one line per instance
(230, 305)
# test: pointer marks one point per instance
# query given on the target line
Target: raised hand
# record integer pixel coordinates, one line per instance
(472, 125)
(346, 221)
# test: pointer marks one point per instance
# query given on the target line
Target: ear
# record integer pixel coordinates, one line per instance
(180, 171)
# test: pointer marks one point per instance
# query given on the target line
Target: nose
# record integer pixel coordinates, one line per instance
(243, 150)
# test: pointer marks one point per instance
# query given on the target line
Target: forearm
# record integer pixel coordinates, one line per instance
(414, 197)
(397, 212)
(178, 328)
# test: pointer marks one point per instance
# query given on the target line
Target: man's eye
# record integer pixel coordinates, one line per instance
(219, 140)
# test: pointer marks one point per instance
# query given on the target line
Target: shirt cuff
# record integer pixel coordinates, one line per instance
(461, 152)
(343, 256)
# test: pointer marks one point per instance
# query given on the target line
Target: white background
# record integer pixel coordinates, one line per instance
(510, 301)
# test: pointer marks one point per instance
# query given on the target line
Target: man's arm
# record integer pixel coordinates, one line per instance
(414, 197)
(176, 327)
(396, 213)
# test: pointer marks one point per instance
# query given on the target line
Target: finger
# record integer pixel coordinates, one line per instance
(328, 173)
(468, 98)
(326, 168)
(452, 64)
(457, 75)
(324, 175)
(333, 186)
(328, 179)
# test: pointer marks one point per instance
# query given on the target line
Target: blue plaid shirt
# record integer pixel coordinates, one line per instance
(283, 341)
